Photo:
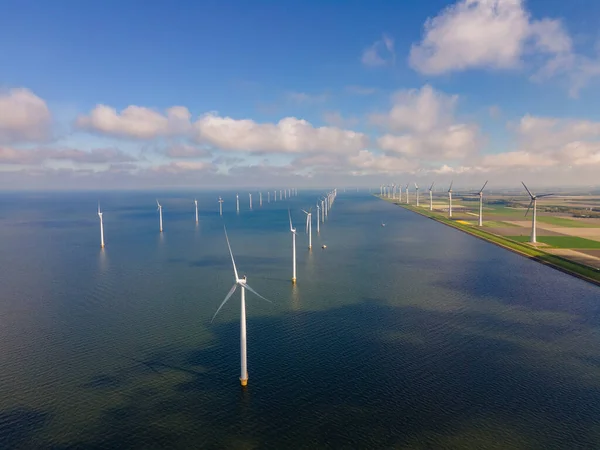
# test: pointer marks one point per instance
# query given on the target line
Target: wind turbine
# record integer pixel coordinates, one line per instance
(196, 203)
(450, 199)
(322, 210)
(242, 283)
(293, 231)
(221, 206)
(480, 193)
(260, 199)
(309, 227)
(417, 188)
(534, 218)
(318, 229)
(431, 197)
(250, 195)
(407, 193)
(159, 209)
(237, 203)
(101, 227)
(268, 196)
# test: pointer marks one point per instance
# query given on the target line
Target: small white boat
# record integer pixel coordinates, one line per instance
(383, 224)
(323, 246)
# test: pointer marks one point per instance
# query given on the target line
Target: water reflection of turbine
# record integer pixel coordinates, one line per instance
(102, 261)
(295, 298)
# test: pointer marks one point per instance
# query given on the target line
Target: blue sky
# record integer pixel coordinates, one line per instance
(391, 91)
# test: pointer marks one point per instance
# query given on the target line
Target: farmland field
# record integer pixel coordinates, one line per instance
(561, 241)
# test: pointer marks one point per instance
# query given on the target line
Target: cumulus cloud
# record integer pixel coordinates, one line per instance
(24, 117)
(380, 53)
(289, 135)
(368, 162)
(9, 155)
(136, 122)
(500, 34)
(184, 166)
(426, 117)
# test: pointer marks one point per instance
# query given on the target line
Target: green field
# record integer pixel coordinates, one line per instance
(561, 241)
(567, 223)
(497, 223)
(504, 211)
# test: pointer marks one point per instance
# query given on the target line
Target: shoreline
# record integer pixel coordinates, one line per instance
(564, 265)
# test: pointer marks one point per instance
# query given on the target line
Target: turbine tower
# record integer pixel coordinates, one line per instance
(293, 231)
(533, 202)
(417, 188)
(450, 199)
(431, 197)
(196, 203)
(220, 206)
(309, 227)
(242, 283)
(101, 227)
(260, 199)
(407, 193)
(237, 203)
(480, 193)
(318, 229)
(268, 196)
(159, 209)
(250, 195)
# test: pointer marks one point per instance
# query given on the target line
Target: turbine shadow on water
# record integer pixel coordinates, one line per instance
(362, 375)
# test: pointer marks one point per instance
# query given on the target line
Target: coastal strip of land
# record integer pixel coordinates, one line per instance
(570, 267)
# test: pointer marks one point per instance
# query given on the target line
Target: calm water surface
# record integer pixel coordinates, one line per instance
(412, 335)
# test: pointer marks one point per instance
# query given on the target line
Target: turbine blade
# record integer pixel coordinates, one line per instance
(231, 253)
(528, 191)
(307, 216)
(483, 186)
(225, 301)
(256, 293)
(158, 204)
(529, 207)
(432, 186)
(99, 208)
(290, 216)
(544, 195)
(450, 188)
(416, 186)
(305, 212)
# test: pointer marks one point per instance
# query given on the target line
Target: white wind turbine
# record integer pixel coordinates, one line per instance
(480, 193)
(417, 188)
(159, 209)
(237, 203)
(534, 218)
(431, 197)
(322, 210)
(101, 227)
(450, 199)
(293, 231)
(250, 195)
(242, 282)
(260, 199)
(309, 227)
(268, 196)
(196, 203)
(407, 193)
(318, 229)
(220, 206)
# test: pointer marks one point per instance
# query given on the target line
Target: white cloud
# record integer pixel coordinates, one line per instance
(431, 130)
(335, 118)
(499, 34)
(367, 162)
(380, 53)
(9, 155)
(304, 98)
(289, 135)
(24, 117)
(136, 122)
(184, 166)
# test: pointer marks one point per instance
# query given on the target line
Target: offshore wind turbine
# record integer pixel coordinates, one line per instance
(417, 188)
(196, 203)
(431, 197)
(533, 202)
(318, 229)
(293, 231)
(159, 209)
(268, 196)
(322, 210)
(101, 227)
(407, 193)
(260, 199)
(250, 195)
(450, 199)
(242, 283)
(309, 227)
(220, 206)
(237, 203)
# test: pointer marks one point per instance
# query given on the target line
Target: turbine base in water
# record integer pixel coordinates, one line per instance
(243, 382)
(293, 281)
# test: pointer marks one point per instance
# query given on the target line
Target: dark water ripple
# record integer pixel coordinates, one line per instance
(408, 336)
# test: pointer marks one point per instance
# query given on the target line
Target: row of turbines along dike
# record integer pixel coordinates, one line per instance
(390, 191)
(323, 204)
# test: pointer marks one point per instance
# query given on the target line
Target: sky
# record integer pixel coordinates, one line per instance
(157, 94)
